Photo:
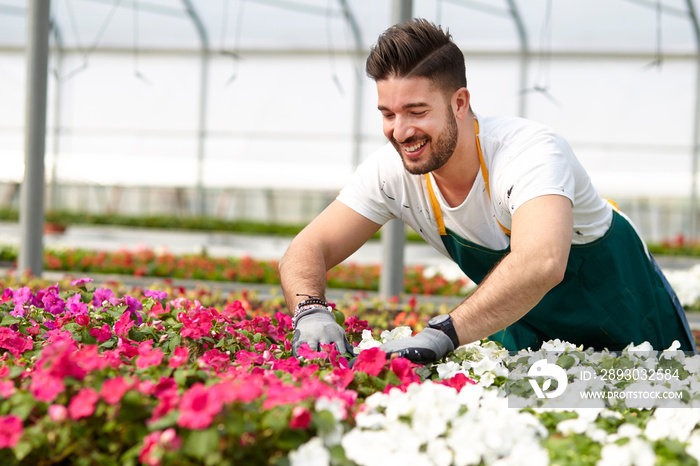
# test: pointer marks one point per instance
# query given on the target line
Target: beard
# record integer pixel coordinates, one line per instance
(441, 150)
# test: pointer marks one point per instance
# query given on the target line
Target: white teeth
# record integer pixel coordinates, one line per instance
(414, 147)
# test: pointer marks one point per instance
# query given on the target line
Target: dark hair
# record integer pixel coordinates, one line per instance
(418, 48)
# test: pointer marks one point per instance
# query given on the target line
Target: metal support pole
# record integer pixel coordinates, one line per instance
(693, 214)
(394, 232)
(203, 92)
(524, 56)
(31, 216)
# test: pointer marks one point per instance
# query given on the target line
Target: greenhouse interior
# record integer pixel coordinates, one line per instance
(260, 109)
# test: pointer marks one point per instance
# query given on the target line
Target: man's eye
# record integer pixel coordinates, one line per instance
(418, 113)
(388, 116)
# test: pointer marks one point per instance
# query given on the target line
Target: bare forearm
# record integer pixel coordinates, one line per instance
(302, 271)
(514, 287)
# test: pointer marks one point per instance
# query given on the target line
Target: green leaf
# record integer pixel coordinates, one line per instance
(9, 320)
(199, 443)
(339, 317)
(174, 343)
(169, 420)
(136, 335)
(566, 361)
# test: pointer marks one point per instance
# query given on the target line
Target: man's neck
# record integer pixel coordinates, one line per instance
(456, 178)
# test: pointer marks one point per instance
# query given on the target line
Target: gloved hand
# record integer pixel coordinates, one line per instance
(427, 346)
(317, 325)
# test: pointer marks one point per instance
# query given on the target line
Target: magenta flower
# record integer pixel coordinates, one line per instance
(179, 357)
(404, 370)
(102, 334)
(155, 294)
(113, 390)
(123, 324)
(76, 306)
(11, 430)
(458, 381)
(216, 360)
(301, 418)
(100, 295)
(198, 407)
(45, 387)
(306, 352)
(83, 403)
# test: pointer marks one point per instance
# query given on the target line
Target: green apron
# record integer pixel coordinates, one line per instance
(612, 293)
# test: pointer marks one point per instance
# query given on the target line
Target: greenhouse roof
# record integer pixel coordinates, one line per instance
(663, 27)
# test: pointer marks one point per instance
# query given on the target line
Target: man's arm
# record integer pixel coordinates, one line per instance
(335, 234)
(541, 234)
(328, 240)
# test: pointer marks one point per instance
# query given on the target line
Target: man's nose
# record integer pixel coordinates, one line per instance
(403, 129)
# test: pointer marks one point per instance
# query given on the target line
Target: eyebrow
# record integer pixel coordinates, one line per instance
(407, 106)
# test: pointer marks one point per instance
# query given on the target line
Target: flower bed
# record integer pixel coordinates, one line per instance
(97, 375)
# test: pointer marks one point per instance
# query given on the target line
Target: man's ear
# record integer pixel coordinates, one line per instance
(460, 102)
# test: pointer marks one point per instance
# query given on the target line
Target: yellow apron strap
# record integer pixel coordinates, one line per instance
(436, 207)
(613, 204)
(485, 172)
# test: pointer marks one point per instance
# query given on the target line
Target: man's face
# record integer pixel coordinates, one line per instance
(419, 122)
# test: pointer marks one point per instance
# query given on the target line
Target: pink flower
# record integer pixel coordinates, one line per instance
(76, 306)
(156, 441)
(15, 343)
(371, 361)
(83, 403)
(355, 325)
(81, 281)
(113, 390)
(155, 294)
(306, 352)
(7, 388)
(198, 407)
(179, 357)
(301, 418)
(340, 377)
(404, 370)
(216, 360)
(11, 430)
(58, 413)
(102, 334)
(147, 356)
(45, 387)
(123, 324)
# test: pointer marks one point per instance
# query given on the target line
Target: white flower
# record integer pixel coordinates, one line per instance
(635, 452)
(693, 448)
(368, 341)
(398, 333)
(448, 369)
(557, 345)
(334, 406)
(644, 346)
(673, 423)
(312, 453)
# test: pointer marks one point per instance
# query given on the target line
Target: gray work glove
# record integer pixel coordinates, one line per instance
(317, 325)
(428, 346)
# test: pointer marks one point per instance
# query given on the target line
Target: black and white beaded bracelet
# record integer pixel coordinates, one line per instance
(312, 303)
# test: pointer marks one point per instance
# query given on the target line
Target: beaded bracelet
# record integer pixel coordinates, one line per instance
(307, 304)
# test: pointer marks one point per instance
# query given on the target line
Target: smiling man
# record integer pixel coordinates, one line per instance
(505, 198)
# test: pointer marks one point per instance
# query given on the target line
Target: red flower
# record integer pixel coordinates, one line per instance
(371, 361)
(82, 320)
(404, 370)
(301, 418)
(83, 403)
(198, 407)
(11, 430)
(458, 381)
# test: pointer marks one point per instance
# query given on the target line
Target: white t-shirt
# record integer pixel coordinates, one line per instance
(524, 160)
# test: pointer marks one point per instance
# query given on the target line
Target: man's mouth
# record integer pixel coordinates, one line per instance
(413, 147)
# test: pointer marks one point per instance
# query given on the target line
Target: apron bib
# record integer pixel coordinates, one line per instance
(612, 293)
